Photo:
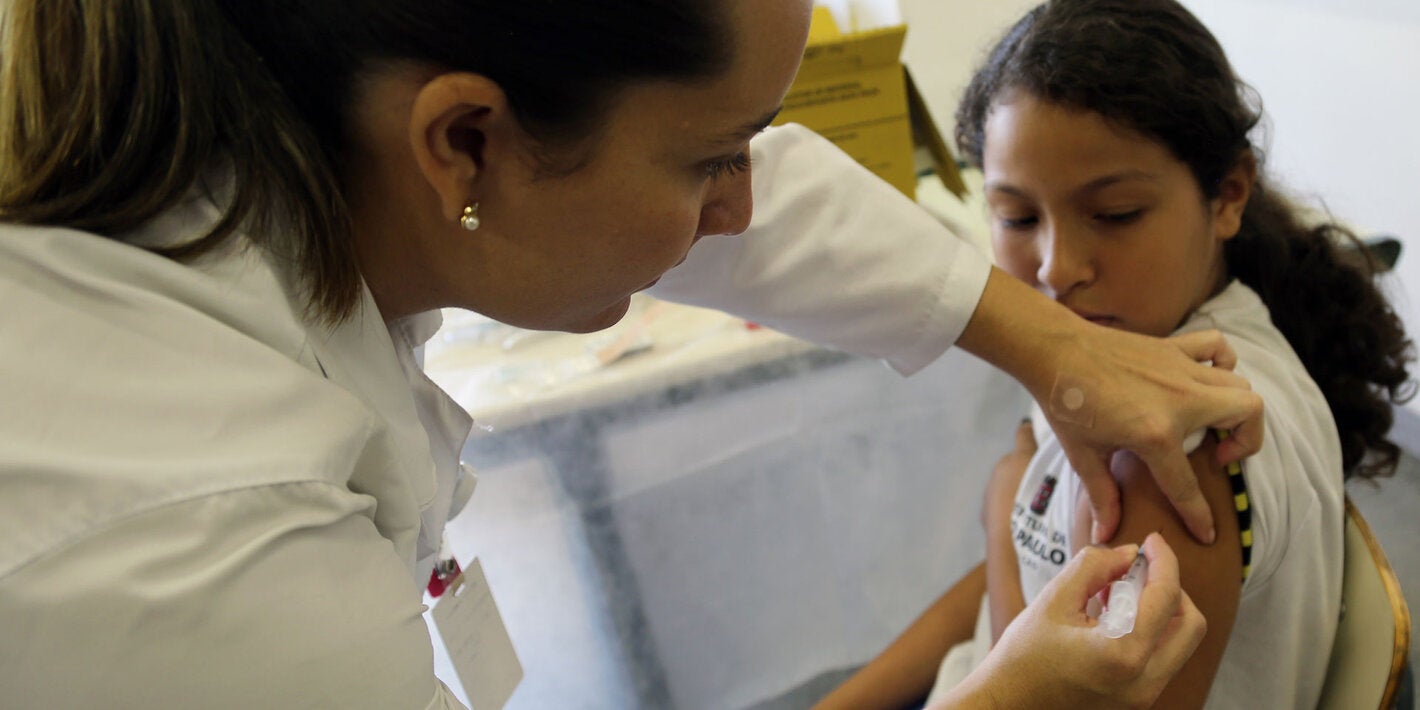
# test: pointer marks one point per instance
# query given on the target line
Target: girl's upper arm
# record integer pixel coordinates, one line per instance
(1210, 574)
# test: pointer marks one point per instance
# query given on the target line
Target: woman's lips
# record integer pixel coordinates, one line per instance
(678, 263)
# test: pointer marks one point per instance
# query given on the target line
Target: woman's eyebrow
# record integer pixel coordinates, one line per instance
(751, 129)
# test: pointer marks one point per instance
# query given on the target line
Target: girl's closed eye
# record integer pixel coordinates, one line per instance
(1018, 222)
(1120, 216)
(729, 165)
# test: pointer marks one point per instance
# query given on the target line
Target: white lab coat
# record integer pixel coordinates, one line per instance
(208, 500)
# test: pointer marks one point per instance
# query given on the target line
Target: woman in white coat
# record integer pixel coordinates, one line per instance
(225, 225)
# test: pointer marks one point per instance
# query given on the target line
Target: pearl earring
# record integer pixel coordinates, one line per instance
(470, 220)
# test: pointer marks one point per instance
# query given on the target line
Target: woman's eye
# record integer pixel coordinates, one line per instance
(1120, 217)
(731, 165)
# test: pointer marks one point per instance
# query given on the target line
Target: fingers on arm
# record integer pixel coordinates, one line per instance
(1207, 346)
(1246, 439)
(1231, 404)
(1231, 408)
(1102, 489)
(1178, 482)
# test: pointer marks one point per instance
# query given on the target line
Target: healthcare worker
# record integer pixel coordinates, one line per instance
(228, 223)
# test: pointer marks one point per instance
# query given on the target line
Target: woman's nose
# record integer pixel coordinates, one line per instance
(1065, 261)
(729, 206)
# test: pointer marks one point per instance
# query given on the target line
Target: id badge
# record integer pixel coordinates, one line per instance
(468, 621)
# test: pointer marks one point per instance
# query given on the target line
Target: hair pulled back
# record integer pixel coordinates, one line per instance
(110, 110)
(1152, 67)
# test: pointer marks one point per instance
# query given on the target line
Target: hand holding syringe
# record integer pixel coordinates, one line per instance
(1122, 607)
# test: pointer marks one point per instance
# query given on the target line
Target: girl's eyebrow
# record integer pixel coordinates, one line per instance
(1009, 189)
(1092, 186)
(1102, 182)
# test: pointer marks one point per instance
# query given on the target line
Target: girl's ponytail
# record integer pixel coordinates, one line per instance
(1319, 284)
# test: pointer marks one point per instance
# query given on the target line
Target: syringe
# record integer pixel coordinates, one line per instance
(1123, 606)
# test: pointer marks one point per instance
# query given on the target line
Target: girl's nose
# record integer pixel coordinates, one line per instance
(1065, 261)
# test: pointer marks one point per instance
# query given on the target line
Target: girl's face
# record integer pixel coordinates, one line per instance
(1101, 218)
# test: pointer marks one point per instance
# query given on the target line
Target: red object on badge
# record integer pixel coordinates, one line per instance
(445, 572)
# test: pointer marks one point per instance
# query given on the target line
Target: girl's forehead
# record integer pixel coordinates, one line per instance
(1033, 131)
(1039, 150)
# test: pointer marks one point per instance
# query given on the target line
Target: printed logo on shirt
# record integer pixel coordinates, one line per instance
(1042, 496)
(1036, 542)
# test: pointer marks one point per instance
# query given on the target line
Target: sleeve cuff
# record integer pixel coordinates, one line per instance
(944, 319)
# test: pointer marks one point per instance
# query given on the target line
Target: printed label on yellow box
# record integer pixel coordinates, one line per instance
(852, 89)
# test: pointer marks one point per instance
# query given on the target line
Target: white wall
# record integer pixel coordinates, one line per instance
(946, 39)
(1339, 79)
(1339, 82)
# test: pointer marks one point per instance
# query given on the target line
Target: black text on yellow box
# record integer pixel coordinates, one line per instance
(853, 90)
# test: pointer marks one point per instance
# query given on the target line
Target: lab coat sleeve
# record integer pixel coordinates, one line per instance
(283, 596)
(836, 256)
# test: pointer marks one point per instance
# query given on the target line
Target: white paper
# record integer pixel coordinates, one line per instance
(860, 15)
(872, 14)
(842, 12)
(468, 621)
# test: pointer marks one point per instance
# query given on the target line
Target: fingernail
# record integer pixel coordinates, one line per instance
(1096, 533)
(1212, 535)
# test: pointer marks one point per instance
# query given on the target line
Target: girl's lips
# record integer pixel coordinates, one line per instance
(1096, 318)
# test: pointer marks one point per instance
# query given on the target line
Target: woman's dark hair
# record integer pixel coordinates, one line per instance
(110, 110)
(1152, 67)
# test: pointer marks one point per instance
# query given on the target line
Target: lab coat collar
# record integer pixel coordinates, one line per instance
(420, 328)
(411, 462)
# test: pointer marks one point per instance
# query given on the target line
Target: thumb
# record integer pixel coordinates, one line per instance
(1091, 570)
(1243, 440)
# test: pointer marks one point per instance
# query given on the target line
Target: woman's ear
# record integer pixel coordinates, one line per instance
(1234, 190)
(450, 124)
